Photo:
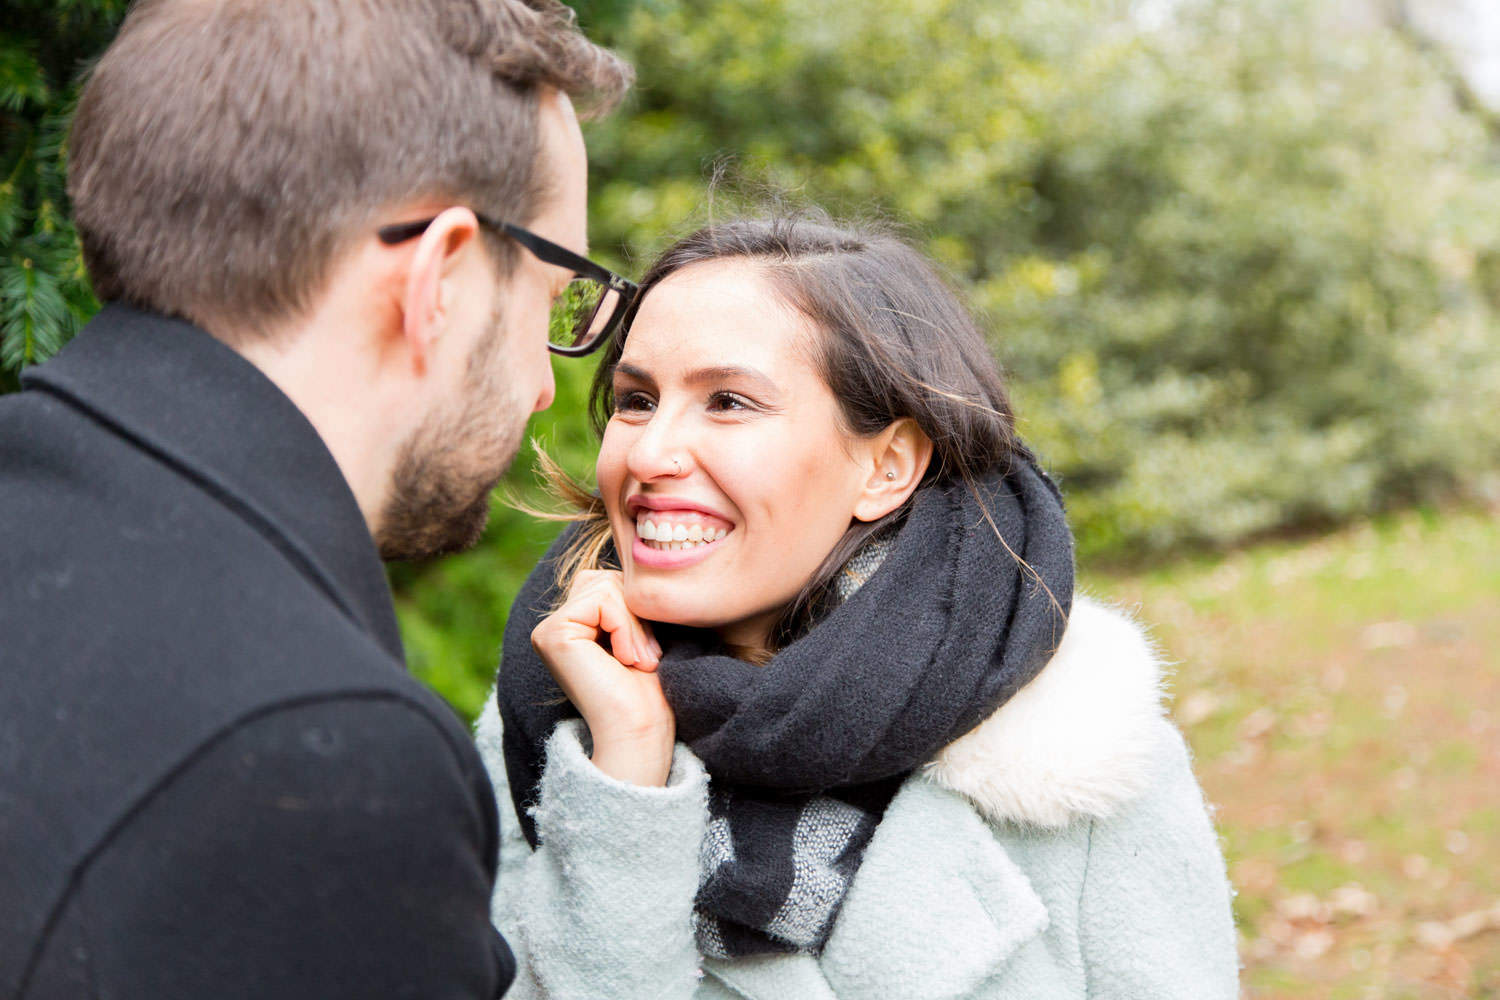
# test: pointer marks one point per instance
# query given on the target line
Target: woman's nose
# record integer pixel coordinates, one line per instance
(661, 452)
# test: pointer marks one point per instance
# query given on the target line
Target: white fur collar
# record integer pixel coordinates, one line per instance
(1078, 740)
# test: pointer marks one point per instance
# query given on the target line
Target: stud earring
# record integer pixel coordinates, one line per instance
(890, 475)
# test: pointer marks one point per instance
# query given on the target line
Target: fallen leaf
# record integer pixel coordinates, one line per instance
(1389, 635)
(1353, 900)
(1258, 723)
(1303, 906)
(1434, 934)
(1314, 943)
(1197, 706)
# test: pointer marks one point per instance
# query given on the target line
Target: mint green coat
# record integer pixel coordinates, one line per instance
(1062, 849)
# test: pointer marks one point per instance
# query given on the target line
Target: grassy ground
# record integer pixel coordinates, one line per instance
(1342, 697)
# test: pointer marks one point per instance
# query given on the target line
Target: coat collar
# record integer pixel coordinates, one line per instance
(1077, 741)
(938, 904)
(201, 408)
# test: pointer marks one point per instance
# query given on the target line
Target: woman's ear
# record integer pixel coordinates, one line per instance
(429, 293)
(898, 456)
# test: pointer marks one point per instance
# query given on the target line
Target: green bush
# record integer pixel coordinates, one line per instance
(1256, 306)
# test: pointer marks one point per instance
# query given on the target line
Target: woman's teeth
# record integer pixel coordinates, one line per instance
(676, 536)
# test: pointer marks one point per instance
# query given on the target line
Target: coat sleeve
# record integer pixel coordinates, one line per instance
(1155, 919)
(325, 850)
(603, 907)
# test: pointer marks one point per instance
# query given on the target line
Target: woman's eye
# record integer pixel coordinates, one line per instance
(632, 402)
(728, 401)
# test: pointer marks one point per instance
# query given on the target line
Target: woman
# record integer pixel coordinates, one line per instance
(805, 706)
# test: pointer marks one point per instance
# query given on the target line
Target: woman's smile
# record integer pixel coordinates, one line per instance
(672, 533)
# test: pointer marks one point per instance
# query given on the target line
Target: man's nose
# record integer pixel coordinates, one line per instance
(548, 390)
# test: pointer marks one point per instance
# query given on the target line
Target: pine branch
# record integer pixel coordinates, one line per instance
(35, 319)
(45, 294)
(21, 78)
(10, 210)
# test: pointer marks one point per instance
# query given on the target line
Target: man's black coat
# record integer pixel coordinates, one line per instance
(216, 776)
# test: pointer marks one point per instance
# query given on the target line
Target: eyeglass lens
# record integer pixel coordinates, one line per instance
(582, 313)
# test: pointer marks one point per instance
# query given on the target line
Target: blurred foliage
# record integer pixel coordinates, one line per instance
(1240, 262)
(44, 291)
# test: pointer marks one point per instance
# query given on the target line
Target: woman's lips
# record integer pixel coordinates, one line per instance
(669, 539)
(637, 503)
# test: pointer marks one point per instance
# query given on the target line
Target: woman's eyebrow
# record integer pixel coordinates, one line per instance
(703, 376)
(729, 373)
(630, 371)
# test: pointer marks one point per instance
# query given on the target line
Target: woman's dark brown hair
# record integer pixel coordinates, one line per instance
(894, 341)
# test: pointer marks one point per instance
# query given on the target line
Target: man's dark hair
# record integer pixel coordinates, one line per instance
(225, 153)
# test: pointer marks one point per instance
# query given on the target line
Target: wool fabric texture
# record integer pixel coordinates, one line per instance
(782, 893)
(968, 604)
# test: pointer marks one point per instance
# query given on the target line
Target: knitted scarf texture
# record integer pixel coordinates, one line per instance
(936, 625)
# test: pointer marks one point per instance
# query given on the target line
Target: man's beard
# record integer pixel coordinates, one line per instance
(440, 487)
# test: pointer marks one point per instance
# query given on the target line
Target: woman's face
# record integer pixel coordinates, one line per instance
(726, 441)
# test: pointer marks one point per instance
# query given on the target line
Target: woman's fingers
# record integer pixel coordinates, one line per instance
(626, 639)
(652, 646)
(597, 600)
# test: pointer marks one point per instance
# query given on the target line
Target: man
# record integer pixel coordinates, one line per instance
(328, 234)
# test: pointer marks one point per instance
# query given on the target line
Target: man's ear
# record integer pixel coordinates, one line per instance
(429, 293)
(899, 456)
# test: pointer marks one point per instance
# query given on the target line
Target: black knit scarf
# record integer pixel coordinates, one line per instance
(805, 752)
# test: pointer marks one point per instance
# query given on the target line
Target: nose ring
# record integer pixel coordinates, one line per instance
(678, 466)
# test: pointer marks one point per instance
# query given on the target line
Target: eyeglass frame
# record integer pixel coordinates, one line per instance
(547, 252)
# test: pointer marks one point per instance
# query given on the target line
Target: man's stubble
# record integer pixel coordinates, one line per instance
(445, 470)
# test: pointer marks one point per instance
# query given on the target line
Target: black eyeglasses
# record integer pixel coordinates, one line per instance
(589, 310)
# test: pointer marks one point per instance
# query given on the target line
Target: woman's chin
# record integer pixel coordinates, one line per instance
(693, 610)
(659, 604)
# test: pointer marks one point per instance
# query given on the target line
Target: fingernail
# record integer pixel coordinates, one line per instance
(655, 648)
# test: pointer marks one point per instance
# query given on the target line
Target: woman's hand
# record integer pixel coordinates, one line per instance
(618, 696)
